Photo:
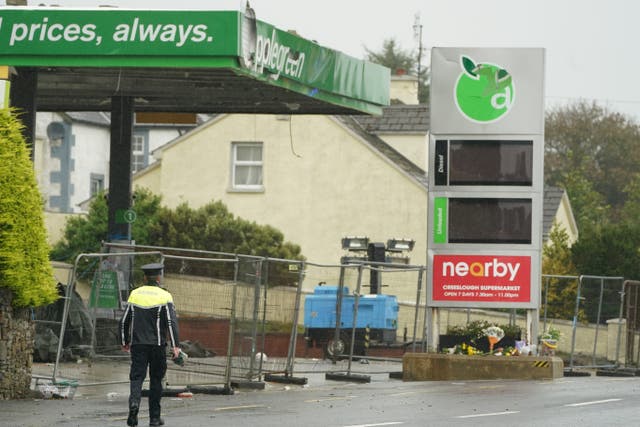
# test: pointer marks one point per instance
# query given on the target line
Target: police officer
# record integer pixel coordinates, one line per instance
(148, 318)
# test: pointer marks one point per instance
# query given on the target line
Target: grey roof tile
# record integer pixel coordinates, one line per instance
(399, 118)
(550, 203)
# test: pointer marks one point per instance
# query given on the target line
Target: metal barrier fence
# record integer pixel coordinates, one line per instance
(598, 299)
(244, 314)
(585, 309)
(347, 320)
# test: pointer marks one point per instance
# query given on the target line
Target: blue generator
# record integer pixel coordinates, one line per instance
(376, 322)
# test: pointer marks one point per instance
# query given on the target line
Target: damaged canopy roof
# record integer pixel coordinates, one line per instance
(183, 61)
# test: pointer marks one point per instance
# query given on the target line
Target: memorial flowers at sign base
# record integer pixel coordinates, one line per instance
(473, 338)
(469, 350)
(549, 341)
(494, 334)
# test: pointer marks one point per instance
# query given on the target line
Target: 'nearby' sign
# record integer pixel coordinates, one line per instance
(481, 278)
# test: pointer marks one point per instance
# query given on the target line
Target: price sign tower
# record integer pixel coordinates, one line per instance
(485, 181)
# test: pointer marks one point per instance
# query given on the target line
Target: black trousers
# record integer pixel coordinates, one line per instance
(154, 357)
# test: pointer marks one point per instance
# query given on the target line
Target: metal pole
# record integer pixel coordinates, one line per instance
(622, 294)
(336, 333)
(65, 316)
(546, 302)
(575, 323)
(232, 327)
(595, 340)
(415, 318)
(294, 326)
(355, 318)
(264, 313)
(254, 323)
(425, 321)
(635, 323)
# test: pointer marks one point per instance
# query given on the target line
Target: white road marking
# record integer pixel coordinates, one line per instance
(492, 414)
(327, 399)
(594, 402)
(391, 423)
(233, 408)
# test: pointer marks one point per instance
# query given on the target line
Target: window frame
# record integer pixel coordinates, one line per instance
(141, 153)
(235, 163)
(97, 179)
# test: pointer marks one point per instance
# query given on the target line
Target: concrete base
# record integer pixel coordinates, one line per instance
(434, 367)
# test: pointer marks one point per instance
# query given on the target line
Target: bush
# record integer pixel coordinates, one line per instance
(24, 252)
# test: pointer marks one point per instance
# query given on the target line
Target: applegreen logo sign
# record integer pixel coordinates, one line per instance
(484, 92)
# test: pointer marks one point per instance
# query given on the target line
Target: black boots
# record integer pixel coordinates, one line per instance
(156, 422)
(133, 416)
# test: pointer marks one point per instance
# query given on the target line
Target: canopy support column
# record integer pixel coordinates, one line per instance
(22, 96)
(120, 168)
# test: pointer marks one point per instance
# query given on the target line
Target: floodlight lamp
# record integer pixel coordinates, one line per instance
(397, 260)
(400, 245)
(355, 243)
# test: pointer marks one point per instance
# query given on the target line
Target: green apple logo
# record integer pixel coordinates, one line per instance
(484, 93)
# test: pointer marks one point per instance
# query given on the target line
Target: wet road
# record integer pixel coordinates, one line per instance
(570, 401)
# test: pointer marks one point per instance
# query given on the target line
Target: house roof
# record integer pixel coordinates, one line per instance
(90, 117)
(397, 119)
(391, 153)
(551, 203)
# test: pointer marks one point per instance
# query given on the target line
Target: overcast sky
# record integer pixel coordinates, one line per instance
(591, 45)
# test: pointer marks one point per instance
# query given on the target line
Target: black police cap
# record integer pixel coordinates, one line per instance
(154, 269)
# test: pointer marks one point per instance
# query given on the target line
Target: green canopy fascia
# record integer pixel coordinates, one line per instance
(112, 38)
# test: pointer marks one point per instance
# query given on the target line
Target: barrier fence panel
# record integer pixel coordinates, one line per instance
(598, 300)
(405, 282)
(632, 322)
(265, 316)
(365, 298)
(98, 285)
(203, 289)
(559, 294)
(48, 320)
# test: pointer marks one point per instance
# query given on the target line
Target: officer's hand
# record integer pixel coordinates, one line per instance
(176, 352)
(126, 348)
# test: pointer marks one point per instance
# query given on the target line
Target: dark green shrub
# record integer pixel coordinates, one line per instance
(24, 252)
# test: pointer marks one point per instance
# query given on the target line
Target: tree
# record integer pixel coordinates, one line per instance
(24, 251)
(398, 60)
(589, 206)
(611, 250)
(84, 234)
(589, 148)
(560, 293)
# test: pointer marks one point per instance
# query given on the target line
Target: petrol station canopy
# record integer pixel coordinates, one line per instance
(183, 61)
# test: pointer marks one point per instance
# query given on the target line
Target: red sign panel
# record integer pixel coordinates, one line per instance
(481, 278)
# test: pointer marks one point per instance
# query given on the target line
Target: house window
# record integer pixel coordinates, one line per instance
(247, 166)
(96, 184)
(137, 153)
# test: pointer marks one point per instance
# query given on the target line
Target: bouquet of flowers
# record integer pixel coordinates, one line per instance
(493, 334)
